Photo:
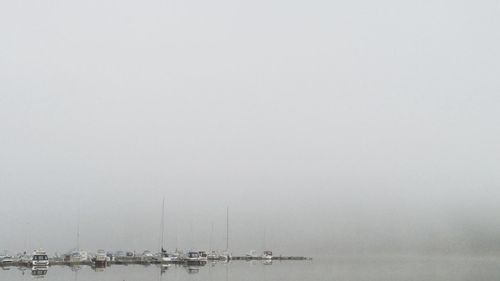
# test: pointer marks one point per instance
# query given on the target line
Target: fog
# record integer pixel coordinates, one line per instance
(326, 127)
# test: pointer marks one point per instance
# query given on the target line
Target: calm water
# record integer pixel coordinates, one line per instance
(349, 269)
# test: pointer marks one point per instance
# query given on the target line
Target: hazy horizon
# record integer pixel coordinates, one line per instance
(333, 127)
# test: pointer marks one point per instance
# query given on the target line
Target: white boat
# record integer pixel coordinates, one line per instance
(39, 258)
(76, 256)
(147, 254)
(213, 256)
(226, 255)
(164, 256)
(195, 258)
(100, 258)
(267, 255)
(6, 259)
(175, 256)
(251, 254)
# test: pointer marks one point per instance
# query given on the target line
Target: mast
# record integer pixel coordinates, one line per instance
(78, 231)
(227, 229)
(264, 242)
(162, 224)
(211, 237)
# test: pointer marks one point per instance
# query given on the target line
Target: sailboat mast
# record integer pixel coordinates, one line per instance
(78, 231)
(162, 224)
(211, 237)
(227, 228)
(264, 242)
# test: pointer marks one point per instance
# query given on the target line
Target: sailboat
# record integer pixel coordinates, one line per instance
(226, 255)
(164, 256)
(77, 255)
(212, 255)
(266, 255)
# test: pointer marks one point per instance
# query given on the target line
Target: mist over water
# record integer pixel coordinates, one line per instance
(328, 128)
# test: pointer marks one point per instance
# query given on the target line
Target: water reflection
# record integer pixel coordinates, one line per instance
(77, 272)
(191, 269)
(39, 271)
(75, 268)
(98, 267)
(22, 269)
(267, 262)
(164, 268)
(353, 269)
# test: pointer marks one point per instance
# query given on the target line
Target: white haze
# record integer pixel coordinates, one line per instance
(334, 127)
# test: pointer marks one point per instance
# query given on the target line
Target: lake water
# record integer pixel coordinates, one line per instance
(348, 269)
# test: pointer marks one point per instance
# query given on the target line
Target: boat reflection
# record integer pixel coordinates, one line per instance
(39, 271)
(99, 268)
(164, 268)
(191, 269)
(75, 267)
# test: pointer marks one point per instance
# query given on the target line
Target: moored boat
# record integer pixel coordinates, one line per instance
(100, 258)
(39, 258)
(267, 255)
(203, 256)
(194, 258)
(6, 259)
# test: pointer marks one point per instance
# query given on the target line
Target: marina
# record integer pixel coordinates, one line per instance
(101, 259)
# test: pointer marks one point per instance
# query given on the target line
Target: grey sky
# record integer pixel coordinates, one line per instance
(333, 126)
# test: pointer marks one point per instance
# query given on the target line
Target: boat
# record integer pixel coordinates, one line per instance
(119, 255)
(213, 256)
(100, 259)
(39, 258)
(176, 256)
(267, 255)
(76, 256)
(226, 255)
(194, 258)
(203, 255)
(164, 256)
(6, 259)
(23, 258)
(147, 256)
(110, 257)
(251, 254)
